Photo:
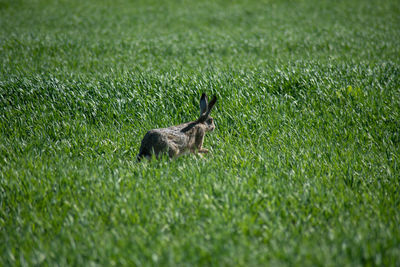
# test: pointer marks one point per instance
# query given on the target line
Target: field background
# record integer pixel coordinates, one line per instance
(304, 163)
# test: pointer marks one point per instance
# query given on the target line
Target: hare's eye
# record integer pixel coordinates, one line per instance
(209, 121)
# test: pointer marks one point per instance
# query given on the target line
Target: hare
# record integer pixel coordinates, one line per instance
(176, 140)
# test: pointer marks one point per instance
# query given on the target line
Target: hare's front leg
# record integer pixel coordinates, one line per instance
(203, 150)
(200, 148)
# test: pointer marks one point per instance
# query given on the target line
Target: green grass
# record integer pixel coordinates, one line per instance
(304, 163)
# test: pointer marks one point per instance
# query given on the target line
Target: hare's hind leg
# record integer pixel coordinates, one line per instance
(140, 156)
(173, 151)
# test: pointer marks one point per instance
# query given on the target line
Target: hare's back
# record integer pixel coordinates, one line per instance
(160, 139)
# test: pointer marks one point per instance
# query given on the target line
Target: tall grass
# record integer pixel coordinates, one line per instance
(304, 163)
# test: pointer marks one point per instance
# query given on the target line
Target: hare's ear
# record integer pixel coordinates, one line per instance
(211, 104)
(203, 104)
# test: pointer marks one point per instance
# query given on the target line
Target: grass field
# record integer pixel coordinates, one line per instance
(304, 164)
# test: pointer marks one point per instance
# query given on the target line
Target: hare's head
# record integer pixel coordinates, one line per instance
(205, 109)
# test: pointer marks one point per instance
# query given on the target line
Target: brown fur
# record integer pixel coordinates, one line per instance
(176, 140)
